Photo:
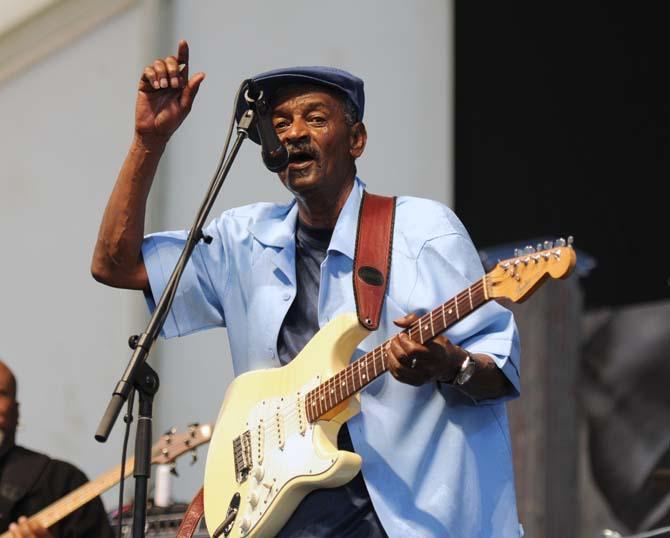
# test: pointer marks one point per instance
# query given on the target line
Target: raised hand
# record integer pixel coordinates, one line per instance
(165, 96)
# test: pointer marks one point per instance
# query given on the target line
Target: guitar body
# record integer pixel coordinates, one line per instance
(265, 456)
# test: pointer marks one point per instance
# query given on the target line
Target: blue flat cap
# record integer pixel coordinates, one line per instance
(331, 77)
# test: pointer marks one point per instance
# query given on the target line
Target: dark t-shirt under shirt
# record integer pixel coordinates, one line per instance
(334, 512)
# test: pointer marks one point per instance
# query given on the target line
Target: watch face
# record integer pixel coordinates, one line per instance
(466, 373)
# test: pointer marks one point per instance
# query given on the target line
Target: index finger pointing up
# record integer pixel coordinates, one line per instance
(182, 57)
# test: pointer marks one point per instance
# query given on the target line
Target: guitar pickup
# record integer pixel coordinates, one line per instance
(260, 431)
(243, 456)
(302, 422)
(279, 427)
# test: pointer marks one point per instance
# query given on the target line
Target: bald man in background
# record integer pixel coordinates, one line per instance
(30, 481)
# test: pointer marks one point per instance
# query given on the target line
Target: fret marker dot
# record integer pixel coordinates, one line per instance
(449, 311)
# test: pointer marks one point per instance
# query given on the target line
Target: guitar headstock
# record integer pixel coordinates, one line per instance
(517, 278)
(174, 444)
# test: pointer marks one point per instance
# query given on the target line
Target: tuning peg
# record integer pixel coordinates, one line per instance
(194, 457)
(547, 245)
(560, 242)
(538, 247)
(517, 252)
(171, 431)
(173, 469)
(529, 249)
(571, 240)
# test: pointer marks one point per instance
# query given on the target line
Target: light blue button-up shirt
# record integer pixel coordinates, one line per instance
(436, 463)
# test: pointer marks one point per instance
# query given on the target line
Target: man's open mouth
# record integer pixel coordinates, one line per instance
(300, 159)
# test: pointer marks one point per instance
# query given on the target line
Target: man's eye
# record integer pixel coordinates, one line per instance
(281, 124)
(317, 119)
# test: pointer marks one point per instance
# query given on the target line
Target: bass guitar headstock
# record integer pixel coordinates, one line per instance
(173, 444)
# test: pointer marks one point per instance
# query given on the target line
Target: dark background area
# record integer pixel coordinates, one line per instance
(562, 129)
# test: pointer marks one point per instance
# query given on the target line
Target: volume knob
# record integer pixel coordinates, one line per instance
(259, 473)
(254, 498)
(245, 524)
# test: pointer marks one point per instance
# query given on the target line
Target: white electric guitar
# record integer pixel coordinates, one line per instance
(275, 439)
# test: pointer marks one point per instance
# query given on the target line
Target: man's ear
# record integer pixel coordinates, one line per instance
(358, 137)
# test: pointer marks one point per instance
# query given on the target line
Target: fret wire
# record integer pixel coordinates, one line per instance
(480, 294)
(316, 402)
(456, 303)
(460, 301)
(329, 387)
(321, 393)
(339, 383)
(470, 296)
(319, 401)
(329, 393)
(432, 327)
(420, 332)
(374, 361)
(333, 389)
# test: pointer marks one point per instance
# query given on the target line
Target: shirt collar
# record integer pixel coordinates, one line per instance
(279, 230)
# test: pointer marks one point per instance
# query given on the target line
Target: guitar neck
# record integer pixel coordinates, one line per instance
(79, 497)
(370, 366)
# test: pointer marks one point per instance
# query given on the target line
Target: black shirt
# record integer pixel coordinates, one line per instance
(50, 480)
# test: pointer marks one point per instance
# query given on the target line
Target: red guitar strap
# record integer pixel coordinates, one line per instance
(193, 515)
(372, 260)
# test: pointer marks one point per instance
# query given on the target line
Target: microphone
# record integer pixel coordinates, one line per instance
(274, 153)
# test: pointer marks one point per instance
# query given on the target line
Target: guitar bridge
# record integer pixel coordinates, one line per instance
(243, 457)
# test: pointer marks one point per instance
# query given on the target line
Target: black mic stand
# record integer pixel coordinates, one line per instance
(139, 375)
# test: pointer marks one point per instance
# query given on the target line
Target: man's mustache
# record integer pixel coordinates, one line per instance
(302, 151)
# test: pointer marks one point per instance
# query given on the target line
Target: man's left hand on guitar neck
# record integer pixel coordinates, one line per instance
(440, 360)
(27, 529)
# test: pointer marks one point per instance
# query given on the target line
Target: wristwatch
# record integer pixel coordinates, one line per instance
(468, 368)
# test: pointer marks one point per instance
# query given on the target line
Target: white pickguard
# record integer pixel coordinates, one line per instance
(283, 449)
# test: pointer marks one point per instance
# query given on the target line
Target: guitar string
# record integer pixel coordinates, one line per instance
(290, 415)
(322, 396)
(329, 389)
(349, 374)
(289, 410)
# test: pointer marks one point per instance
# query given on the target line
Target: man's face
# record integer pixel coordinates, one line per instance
(312, 125)
(8, 404)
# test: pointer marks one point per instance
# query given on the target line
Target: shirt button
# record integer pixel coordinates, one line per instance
(286, 296)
